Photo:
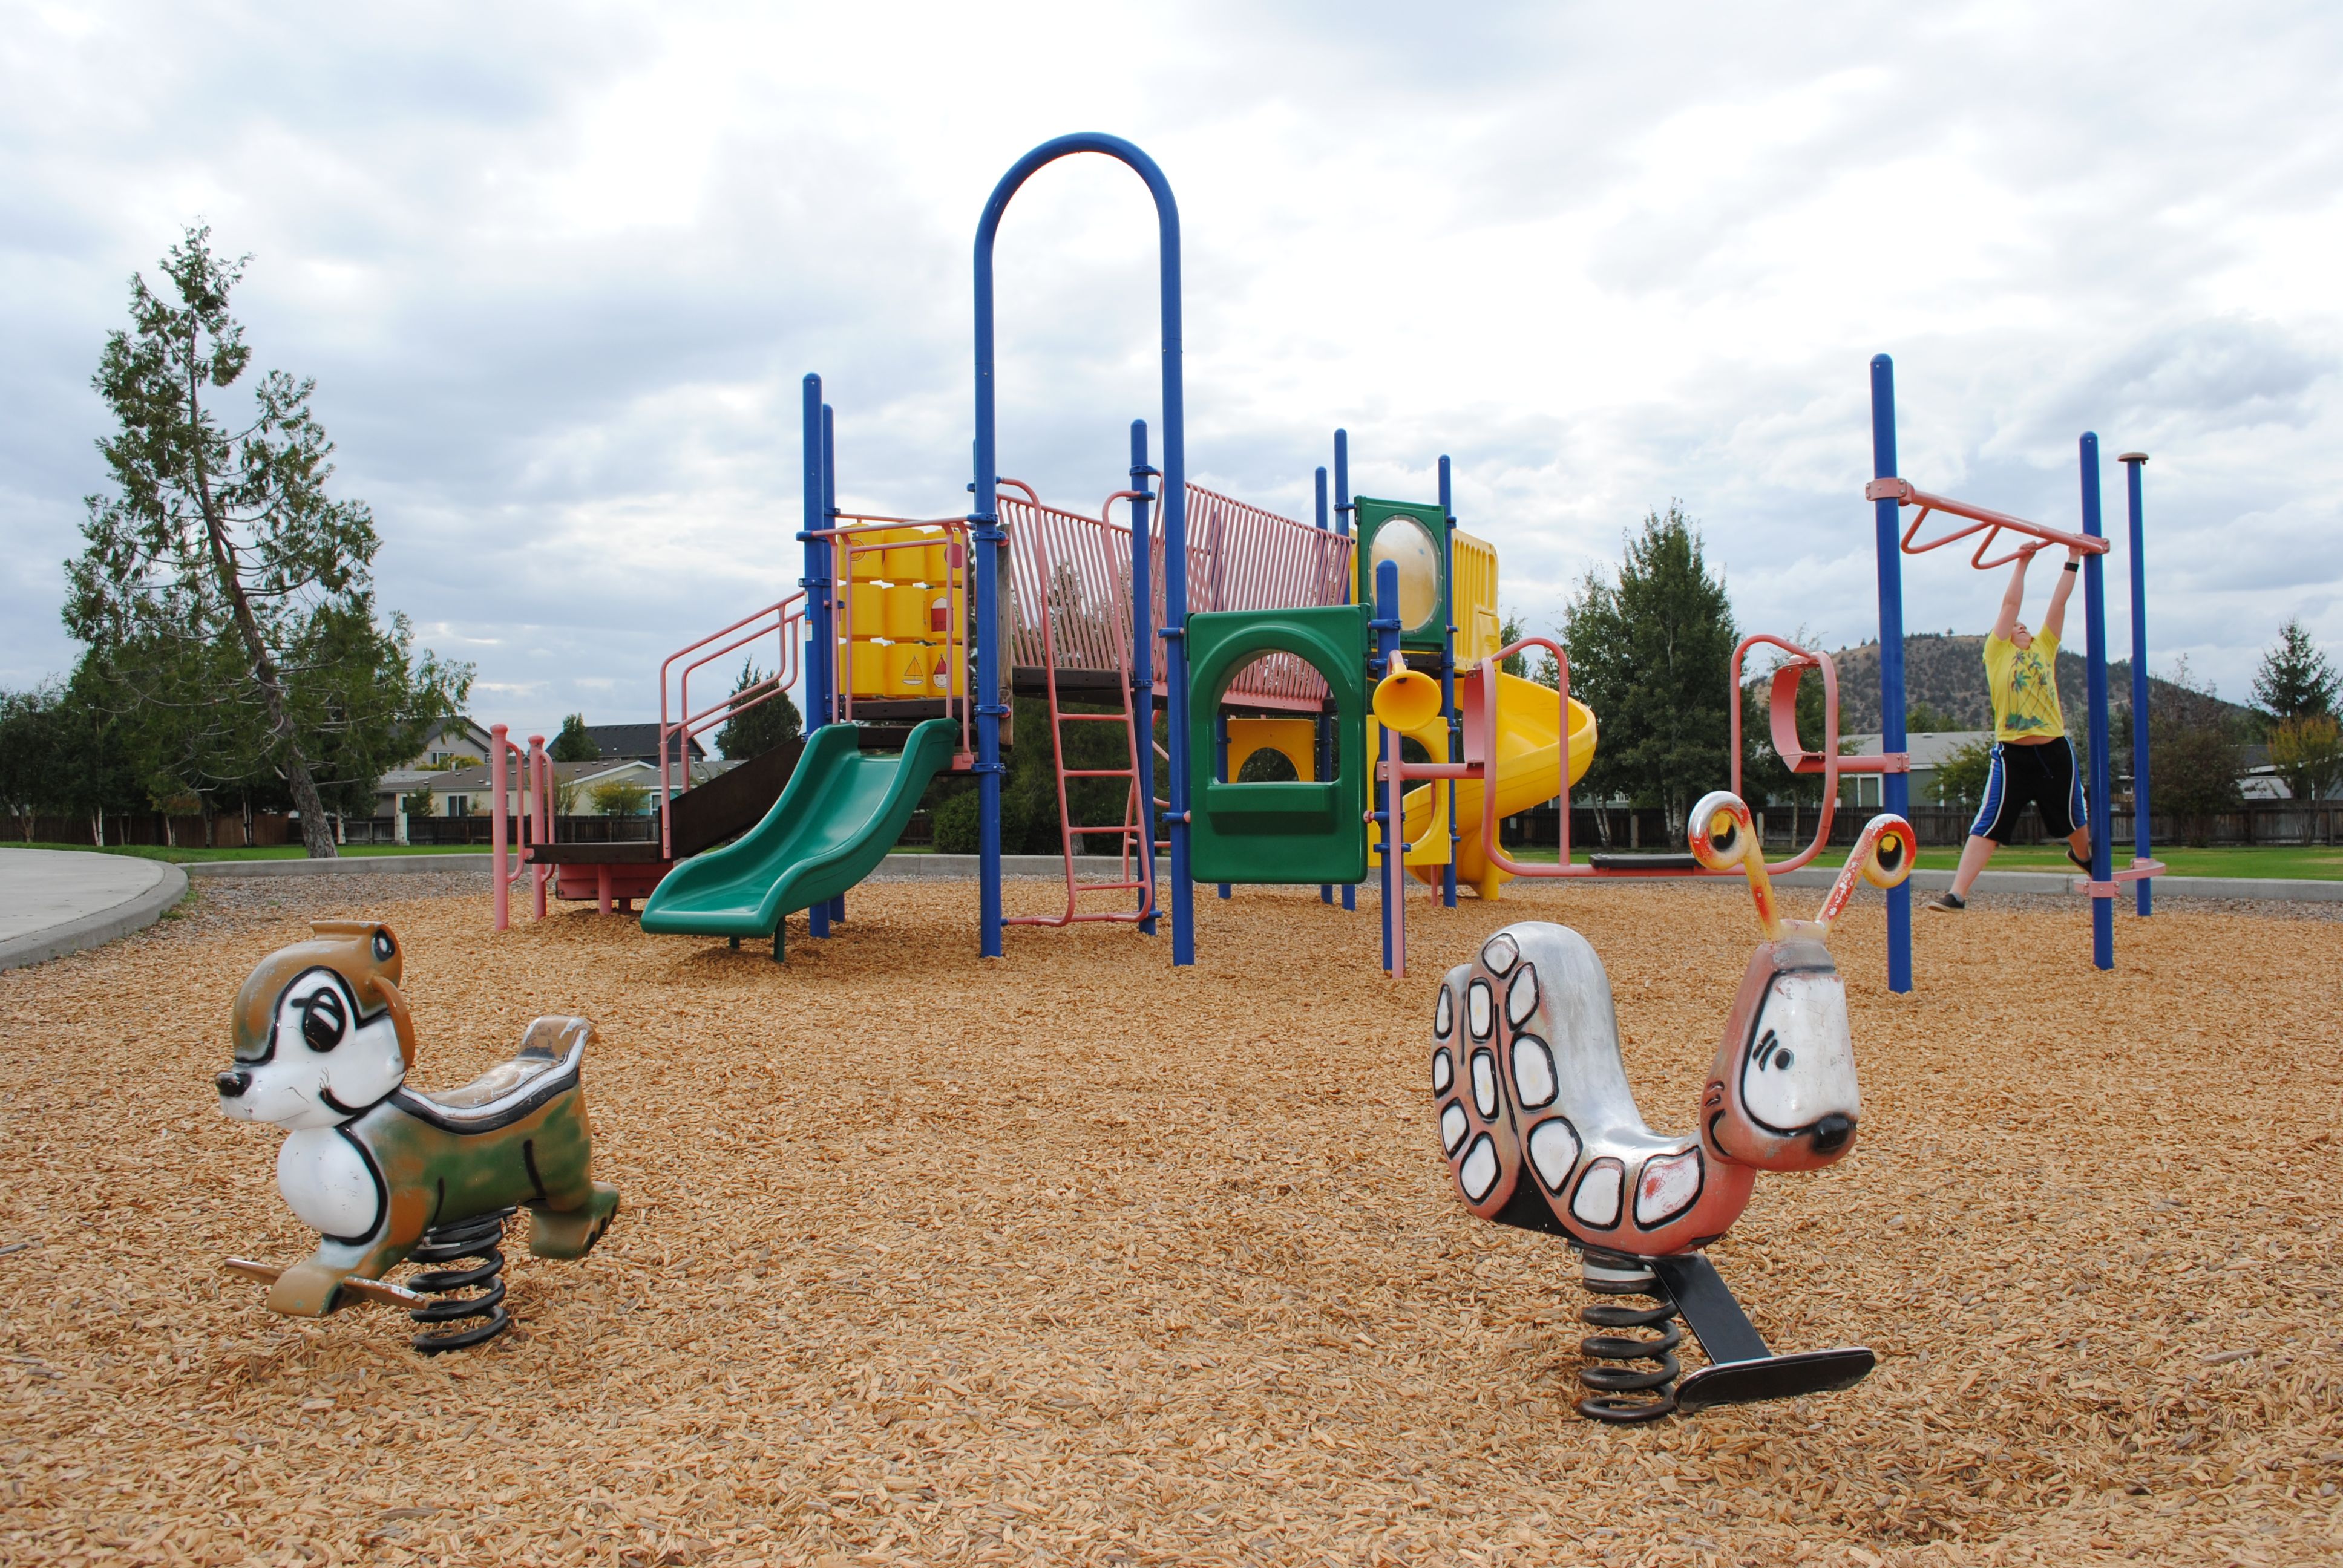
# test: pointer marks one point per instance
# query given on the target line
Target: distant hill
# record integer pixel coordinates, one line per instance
(1947, 673)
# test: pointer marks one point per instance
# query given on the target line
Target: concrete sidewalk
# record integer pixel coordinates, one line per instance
(58, 901)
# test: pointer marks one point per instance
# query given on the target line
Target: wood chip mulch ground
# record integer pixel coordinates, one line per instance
(1072, 1258)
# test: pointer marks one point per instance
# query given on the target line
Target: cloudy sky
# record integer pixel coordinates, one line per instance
(557, 269)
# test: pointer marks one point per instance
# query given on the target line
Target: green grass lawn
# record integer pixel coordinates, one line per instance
(2313, 862)
(281, 852)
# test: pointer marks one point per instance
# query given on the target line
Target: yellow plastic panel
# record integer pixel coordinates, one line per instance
(866, 671)
(909, 563)
(869, 603)
(907, 670)
(1478, 623)
(953, 662)
(907, 611)
(871, 565)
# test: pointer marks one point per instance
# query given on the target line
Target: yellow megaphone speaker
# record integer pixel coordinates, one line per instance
(1406, 700)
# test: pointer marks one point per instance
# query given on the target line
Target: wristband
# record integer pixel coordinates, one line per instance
(2074, 565)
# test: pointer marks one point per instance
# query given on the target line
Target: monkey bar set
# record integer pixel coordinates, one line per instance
(1890, 493)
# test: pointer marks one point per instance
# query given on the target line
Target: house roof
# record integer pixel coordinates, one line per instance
(635, 740)
(467, 780)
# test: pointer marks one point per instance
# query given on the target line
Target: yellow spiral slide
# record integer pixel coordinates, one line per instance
(1528, 774)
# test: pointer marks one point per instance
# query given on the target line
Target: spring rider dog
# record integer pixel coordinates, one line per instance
(382, 1172)
(1542, 1132)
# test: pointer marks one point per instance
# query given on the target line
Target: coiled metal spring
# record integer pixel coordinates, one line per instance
(476, 1292)
(1625, 1391)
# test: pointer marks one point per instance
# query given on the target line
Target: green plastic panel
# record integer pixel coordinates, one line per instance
(1285, 832)
(1418, 537)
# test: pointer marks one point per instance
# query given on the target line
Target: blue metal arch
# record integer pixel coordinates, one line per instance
(985, 525)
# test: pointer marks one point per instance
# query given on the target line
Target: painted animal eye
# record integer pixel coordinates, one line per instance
(324, 1021)
(382, 946)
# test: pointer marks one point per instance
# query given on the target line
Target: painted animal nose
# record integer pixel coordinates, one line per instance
(233, 1083)
(1832, 1134)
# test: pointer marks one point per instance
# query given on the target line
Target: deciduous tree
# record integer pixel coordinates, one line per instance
(225, 598)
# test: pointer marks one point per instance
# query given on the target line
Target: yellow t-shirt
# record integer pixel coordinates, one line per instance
(2024, 688)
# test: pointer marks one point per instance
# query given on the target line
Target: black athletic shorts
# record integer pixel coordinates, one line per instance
(2045, 774)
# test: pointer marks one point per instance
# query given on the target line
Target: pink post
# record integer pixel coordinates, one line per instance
(541, 801)
(497, 745)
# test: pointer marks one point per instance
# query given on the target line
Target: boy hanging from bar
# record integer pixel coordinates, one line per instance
(2032, 757)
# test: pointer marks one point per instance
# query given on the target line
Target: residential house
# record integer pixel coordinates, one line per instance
(1929, 750)
(449, 743)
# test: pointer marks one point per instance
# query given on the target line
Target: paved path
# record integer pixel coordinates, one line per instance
(55, 901)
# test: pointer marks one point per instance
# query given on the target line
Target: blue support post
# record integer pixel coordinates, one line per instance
(2133, 463)
(818, 919)
(821, 652)
(821, 558)
(985, 527)
(1448, 673)
(1895, 788)
(1387, 799)
(2095, 613)
(1325, 768)
(1142, 668)
(1342, 527)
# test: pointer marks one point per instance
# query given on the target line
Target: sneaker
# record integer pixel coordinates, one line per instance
(2081, 864)
(1948, 903)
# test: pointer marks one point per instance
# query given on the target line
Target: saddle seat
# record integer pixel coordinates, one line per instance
(550, 1045)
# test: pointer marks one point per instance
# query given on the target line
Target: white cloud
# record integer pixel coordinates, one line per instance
(559, 269)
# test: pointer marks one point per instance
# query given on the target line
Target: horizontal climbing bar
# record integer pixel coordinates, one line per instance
(1982, 519)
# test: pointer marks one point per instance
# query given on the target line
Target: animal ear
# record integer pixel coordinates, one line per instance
(1883, 856)
(387, 995)
(1723, 835)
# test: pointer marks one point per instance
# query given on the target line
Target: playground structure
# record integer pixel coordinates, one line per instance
(911, 634)
(1540, 1130)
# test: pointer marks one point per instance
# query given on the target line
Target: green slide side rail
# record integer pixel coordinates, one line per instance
(842, 811)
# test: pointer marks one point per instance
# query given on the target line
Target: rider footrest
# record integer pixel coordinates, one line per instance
(1743, 1369)
(1652, 862)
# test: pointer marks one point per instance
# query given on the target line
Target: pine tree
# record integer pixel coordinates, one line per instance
(573, 744)
(2296, 680)
(754, 731)
(1649, 652)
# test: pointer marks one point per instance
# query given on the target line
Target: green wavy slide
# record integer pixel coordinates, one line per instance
(843, 810)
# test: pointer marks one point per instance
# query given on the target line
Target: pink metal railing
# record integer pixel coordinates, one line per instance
(1238, 558)
(775, 620)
